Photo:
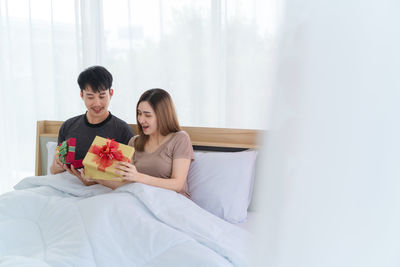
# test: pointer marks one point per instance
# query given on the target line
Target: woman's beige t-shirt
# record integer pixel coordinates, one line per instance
(159, 162)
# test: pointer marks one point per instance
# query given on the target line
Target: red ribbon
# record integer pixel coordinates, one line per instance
(106, 154)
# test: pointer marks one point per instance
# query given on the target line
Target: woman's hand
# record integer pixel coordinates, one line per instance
(127, 171)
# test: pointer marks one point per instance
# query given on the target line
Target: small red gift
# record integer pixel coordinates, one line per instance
(66, 153)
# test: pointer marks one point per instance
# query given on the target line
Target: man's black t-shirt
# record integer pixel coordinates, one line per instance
(79, 127)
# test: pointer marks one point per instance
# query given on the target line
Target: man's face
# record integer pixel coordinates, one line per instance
(96, 102)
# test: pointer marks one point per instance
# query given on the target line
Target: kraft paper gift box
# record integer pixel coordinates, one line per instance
(102, 157)
(66, 153)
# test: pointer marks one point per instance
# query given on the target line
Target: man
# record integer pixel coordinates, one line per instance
(95, 84)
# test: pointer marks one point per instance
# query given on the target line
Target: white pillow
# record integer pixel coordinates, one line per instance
(51, 151)
(221, 182)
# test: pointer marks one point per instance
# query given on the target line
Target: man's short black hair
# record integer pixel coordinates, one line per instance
(98, 77)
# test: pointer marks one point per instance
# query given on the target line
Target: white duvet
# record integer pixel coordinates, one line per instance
(57, 221)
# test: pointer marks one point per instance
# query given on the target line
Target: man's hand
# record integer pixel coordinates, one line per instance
(80, 174)
(57, 166)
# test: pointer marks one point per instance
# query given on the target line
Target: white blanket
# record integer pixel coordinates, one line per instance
(57, 221)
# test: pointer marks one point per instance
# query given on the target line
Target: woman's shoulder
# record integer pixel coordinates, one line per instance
(182, 146)
(181, 138)
(181, 135)
(177, 139)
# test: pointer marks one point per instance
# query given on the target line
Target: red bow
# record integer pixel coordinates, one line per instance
(106, 154)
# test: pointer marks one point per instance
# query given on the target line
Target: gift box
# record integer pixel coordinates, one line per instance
(102, 157)
(66, 153)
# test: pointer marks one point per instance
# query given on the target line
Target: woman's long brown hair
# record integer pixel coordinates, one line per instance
(167, 121)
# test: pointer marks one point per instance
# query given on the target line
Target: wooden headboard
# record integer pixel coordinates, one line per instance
(200, 136)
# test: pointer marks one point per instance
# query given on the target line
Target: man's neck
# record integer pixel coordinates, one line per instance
(97, 120)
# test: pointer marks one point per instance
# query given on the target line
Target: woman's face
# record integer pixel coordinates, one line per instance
(147, 118)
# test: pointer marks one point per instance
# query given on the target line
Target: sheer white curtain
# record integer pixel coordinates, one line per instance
(40, 55)
(212, 56)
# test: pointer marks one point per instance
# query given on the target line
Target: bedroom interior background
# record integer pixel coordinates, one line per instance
(213, 57)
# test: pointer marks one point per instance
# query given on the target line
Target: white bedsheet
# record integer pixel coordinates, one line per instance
(250, 223)
(57, 221)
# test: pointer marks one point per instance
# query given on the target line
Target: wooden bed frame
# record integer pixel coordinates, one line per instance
(200, 136)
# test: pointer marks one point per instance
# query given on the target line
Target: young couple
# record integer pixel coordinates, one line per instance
(163, 152)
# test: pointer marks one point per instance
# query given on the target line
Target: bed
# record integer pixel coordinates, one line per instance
(54, 220)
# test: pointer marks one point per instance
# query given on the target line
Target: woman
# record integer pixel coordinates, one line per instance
(163, 152)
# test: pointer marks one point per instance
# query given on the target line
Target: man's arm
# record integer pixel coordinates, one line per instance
(57, 166)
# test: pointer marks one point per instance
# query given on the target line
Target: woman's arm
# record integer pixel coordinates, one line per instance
(180, 169)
